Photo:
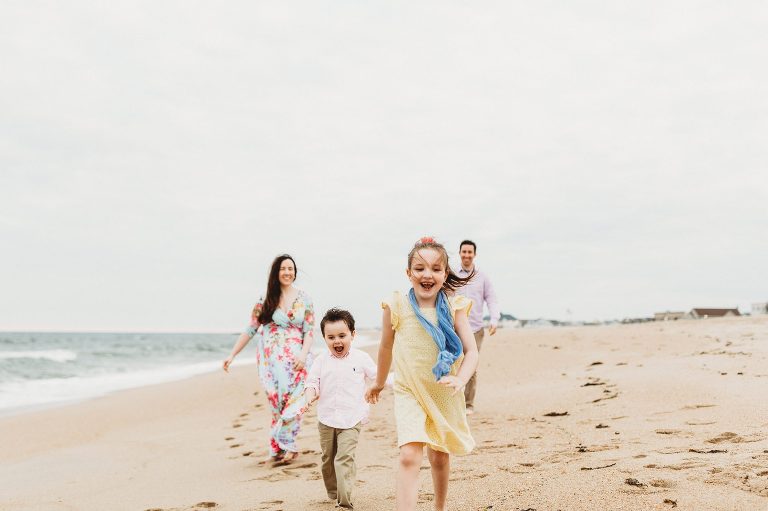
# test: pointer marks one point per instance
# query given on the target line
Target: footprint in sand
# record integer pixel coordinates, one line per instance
(205, 505)
(514, 470)
(661, 483)
(497, 448)
(229, 438)
(700, 423)
(234, 446)
(596, 448)
(674, 432)
(671, 450)
(744, 476)
(604, 398)
(687, 465)
(305, 465)
(696, 407)
(667, 431)
(282, 475)
(734, 438)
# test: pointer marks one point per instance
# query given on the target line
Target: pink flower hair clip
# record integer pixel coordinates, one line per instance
(426, 239)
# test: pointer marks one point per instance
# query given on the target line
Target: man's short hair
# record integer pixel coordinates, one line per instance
(334, 315)
(468, 242)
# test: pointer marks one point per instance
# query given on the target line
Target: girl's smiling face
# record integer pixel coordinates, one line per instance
(427, 274)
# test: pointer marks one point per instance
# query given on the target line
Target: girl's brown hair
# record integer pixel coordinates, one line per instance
(452, 281)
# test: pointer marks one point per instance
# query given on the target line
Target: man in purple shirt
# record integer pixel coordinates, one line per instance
(479, 290)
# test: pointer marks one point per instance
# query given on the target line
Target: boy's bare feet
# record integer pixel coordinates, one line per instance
(290, 456)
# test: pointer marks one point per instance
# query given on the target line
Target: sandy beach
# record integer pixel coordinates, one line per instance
(639, 417)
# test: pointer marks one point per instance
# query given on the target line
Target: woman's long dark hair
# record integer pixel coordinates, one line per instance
(272, 300)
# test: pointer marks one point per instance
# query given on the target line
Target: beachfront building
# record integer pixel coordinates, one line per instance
(700, 313)
(759, 308)
(668, 315)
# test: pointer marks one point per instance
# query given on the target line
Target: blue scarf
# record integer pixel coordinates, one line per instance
(449, 345)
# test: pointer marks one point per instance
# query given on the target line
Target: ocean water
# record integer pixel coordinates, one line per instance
(46, 369)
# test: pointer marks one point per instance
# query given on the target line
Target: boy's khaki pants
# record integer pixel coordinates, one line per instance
(338, 460)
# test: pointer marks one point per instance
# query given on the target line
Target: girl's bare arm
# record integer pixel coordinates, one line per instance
(471, 355)
(384, 361)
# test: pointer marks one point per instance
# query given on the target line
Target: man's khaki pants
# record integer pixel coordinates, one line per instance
(469, 390)
(338, 461)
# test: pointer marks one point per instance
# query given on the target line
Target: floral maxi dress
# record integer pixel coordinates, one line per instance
(279, 342)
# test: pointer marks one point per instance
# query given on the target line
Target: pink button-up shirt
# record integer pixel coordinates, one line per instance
(340, 383)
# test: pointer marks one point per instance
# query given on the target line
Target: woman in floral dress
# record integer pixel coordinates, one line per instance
(283, 322)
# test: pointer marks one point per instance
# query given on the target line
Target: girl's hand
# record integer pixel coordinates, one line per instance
(453, 382)
(227, 363)
(372, 394)
(300, 361)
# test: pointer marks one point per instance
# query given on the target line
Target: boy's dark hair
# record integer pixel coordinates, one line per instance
(334, 315)
(468, 242)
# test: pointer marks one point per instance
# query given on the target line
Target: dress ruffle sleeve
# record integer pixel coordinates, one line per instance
(394, 308)
(254, 324)
(460, 302)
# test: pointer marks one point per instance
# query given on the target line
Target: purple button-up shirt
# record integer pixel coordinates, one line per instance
(479, 290)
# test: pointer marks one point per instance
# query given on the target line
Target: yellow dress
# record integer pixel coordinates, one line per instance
(425, 411)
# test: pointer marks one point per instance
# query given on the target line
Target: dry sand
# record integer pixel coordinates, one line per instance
(659, 416)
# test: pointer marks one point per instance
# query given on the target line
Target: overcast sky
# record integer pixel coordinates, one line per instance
(609, 160)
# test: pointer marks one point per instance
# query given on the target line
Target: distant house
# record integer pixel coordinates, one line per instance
(759, 308)
(699, 313)
(668, 316)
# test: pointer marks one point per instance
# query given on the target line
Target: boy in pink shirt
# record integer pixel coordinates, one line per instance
(337, 382)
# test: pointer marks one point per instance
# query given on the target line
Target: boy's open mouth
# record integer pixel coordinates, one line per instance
(339, 349)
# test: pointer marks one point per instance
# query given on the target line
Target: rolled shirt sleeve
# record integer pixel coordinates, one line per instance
(313, 378)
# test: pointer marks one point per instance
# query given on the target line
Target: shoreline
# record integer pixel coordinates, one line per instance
(152, 376)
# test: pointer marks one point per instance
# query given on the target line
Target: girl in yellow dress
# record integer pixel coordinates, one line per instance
(428, 336)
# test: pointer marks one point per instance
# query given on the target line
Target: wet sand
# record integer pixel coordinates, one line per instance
(647, 416)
